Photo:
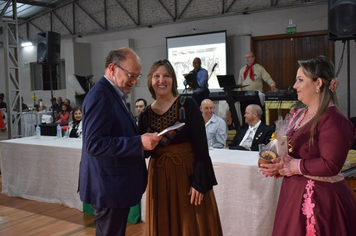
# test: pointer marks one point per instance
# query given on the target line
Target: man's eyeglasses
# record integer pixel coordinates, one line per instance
(130, 75)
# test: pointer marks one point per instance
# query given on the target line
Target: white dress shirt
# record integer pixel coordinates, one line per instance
(250, 133)
(216, 130)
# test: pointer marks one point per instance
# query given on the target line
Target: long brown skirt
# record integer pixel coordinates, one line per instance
(168, 208)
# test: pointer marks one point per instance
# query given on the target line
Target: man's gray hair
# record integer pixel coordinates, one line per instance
(256, 109)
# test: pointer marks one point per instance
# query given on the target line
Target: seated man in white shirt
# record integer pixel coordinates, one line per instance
(215, 126)
(253, 132)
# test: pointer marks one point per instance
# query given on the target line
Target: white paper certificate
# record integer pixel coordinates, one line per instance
(173, 127)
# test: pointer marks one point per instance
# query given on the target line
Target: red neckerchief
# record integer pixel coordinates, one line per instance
(252, 75)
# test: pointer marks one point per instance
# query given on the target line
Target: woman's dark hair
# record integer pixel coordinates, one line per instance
(74, 110)
(170, 71)
(65, 106)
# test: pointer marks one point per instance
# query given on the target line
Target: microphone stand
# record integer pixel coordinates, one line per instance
(51, 86)
(212, 70)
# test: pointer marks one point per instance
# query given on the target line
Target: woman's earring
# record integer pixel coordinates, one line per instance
(317, 90)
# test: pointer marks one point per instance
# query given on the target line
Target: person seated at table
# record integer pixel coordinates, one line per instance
(215, 127)
(54, 104)
(75, 126)
(253, 132)
(2, 103)
(57, 104)
(63, 115)
(2, 96)
(24, 106)
(67, 102)
(38, 105)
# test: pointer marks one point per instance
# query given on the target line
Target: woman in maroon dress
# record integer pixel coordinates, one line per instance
(315, 198)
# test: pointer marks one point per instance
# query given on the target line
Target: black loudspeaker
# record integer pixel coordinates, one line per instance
(48, 48)
(342, 19)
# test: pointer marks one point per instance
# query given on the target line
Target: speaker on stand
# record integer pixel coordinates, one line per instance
(48, 48)
(48, 53)
(342, 26)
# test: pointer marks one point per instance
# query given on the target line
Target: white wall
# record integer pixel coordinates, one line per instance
(150, 44)
(29, 54)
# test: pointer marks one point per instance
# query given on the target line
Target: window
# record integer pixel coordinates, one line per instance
(40, 76)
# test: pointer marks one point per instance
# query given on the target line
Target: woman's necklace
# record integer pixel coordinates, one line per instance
(299, 122)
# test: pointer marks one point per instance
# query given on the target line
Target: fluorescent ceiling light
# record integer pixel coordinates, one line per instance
(26, 44)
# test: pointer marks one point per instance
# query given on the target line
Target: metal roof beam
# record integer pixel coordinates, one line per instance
(5, 8)
(173, 18)
(123, 8)
(71, 32)
(36, 3)
(184, 9)
(228, 8)
(103, 27)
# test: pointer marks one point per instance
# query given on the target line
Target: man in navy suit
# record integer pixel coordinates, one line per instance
(113, 172)
(253, 132)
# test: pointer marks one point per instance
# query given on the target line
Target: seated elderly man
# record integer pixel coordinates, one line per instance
(24, 106)
(253, 132)
(215, 126)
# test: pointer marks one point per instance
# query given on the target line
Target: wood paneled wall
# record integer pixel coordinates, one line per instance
(279, 54)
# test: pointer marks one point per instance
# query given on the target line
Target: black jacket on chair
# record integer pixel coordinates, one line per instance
(262, 135)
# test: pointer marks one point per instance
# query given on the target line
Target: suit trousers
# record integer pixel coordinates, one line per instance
(200, 96)
(110, 222)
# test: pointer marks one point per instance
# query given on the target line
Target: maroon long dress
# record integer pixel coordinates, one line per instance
(312, 207)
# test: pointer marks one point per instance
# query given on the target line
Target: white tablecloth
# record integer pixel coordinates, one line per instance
(246, 200)
(47, 170)
(44, 170)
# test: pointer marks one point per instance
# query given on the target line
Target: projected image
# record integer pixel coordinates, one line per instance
(210, 48)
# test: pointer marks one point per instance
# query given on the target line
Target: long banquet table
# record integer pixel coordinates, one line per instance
(47, 170)
(44, 170)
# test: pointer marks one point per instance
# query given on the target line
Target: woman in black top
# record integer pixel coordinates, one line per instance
(75, 126)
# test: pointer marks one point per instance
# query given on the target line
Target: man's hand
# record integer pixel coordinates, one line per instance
(150, 141)
(274, 88)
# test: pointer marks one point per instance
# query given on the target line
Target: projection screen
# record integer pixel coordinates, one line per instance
(209, 47)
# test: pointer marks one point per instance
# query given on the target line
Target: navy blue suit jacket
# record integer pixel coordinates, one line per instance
(113, 172)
